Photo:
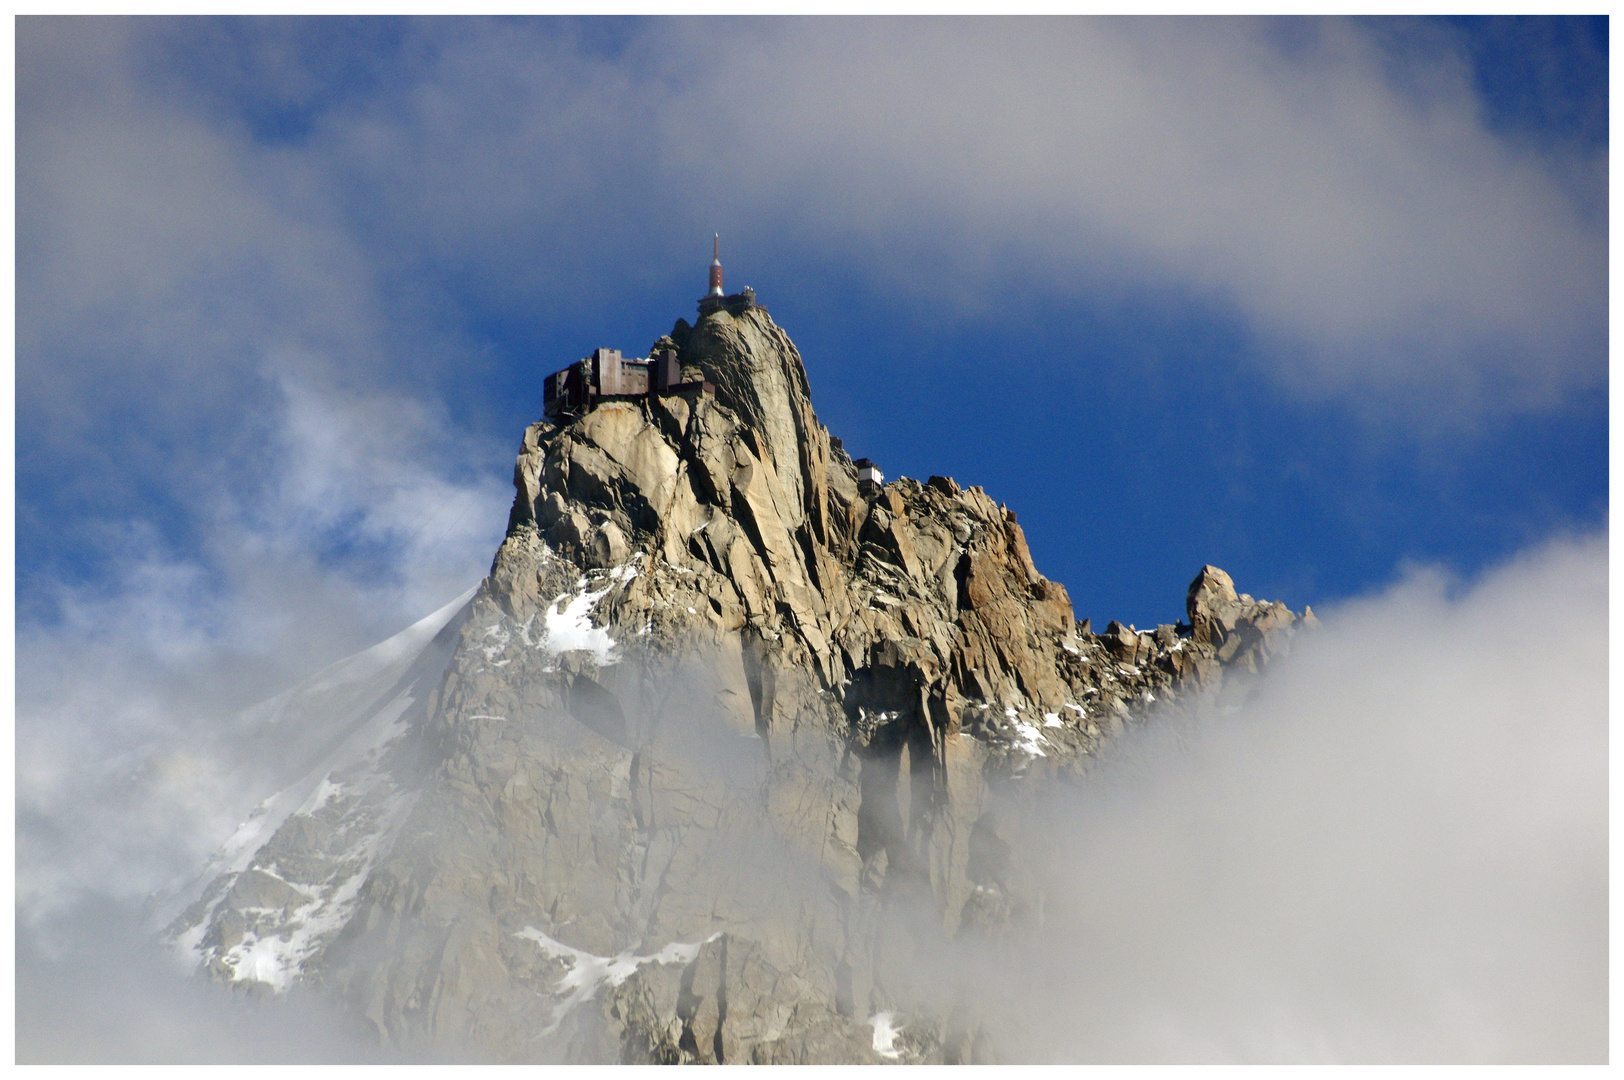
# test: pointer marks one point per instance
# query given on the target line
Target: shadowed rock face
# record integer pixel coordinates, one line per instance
(721, 757)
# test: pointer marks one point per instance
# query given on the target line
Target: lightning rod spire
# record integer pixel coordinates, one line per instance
(716, 265)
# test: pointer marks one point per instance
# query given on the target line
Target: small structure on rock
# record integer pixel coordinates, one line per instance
(605, 375)
(715, 299)
(868, 472)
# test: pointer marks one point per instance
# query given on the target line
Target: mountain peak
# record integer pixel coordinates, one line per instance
(723, 703)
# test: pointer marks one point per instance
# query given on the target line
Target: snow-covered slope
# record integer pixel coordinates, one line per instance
(252, 915)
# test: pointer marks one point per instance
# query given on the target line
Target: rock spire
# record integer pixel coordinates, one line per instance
(717, 715)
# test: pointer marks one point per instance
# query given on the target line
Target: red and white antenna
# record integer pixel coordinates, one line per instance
(716, 266)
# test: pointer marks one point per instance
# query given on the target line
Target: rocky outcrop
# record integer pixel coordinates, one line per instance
(723, 748)
(1238, 628)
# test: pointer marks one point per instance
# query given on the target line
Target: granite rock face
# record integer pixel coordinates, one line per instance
(716, 758)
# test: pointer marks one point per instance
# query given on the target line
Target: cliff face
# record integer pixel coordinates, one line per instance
(719, 756)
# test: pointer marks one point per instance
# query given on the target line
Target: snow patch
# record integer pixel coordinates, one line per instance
(368, 701)
(588, 972)
(1051, 719)
(277, 959)
(234, 856)
(567, 625)
(1030, 737)
(885, 1035)
(498, 633)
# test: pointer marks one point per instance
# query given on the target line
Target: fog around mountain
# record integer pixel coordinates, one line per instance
(1394, 850)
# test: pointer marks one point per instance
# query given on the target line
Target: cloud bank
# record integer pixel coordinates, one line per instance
(1332, 187)
(1394, 851)
(1346, 203)
(1391, 848)
(364, 514)
(1369, 226)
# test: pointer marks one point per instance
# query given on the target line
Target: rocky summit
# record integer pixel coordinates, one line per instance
(721, 753)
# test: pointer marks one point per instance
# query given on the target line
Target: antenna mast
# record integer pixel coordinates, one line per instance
(716, 265)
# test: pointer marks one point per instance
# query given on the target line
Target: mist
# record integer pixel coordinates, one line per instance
(1391, 847)
(99, 990)
(1394, 849)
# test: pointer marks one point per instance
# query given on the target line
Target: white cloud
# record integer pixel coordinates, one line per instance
(1343, 200)
(1347, 204)
(387, 474)
(1396, 851)
(1375, 235)
(1394, 252)
(356, 516)
(160, 255)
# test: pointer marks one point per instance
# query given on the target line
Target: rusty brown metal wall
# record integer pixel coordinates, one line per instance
(664, 371)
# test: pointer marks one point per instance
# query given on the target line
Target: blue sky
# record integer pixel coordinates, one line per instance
(1312, 300)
